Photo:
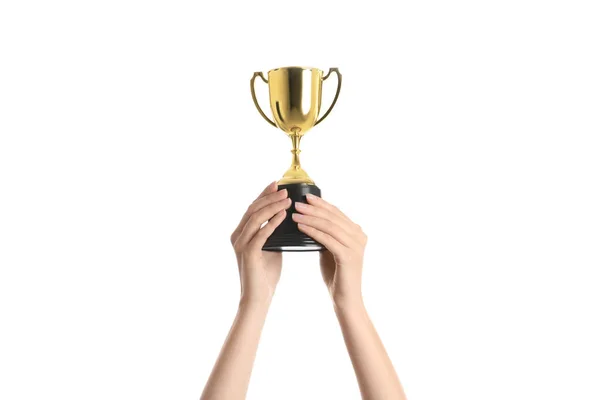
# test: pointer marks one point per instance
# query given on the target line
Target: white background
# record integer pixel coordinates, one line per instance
(465, 142)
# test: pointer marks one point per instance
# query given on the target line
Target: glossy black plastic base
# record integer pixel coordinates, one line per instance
(287, 237)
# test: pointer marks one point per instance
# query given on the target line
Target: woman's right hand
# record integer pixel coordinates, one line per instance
(259, 270)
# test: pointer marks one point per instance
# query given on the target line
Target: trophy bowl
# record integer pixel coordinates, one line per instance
(295, 98)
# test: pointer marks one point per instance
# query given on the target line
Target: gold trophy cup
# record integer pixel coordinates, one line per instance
(295, 99)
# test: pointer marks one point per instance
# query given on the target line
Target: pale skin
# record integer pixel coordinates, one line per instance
(341, 268)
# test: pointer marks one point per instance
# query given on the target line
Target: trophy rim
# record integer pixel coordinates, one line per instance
(296, 67)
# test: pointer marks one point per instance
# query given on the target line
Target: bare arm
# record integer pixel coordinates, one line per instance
(341, 267)
(231, 374)
(376, 376)
(259, 274)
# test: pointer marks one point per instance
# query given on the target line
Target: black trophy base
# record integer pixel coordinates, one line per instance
(287, 237)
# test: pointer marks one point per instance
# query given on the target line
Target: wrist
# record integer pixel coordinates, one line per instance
(254, 303)
(348, 303)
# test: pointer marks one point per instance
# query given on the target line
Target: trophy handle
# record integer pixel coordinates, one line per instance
(259, 74)
(337, 93)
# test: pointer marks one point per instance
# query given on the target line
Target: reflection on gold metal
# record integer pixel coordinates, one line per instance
(295, 98)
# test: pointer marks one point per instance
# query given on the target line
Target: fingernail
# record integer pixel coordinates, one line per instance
(284, 191)
(300, 206)
(296, 216)
(310, 196)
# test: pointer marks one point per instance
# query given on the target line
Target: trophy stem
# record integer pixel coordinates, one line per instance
(295, 174)
(296, 151)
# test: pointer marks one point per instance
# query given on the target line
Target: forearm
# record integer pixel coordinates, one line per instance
(231, 374)
(375, 373)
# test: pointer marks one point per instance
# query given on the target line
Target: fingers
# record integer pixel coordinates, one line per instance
(258, 218)
(325, 239)
(323, 225)
(320, 203)
(319, 212)
(269, 195)
(261, 202)
(266, 200)
(328, 219)
(263, 234)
